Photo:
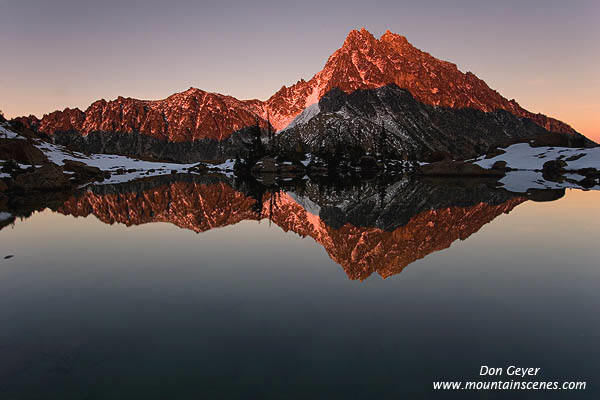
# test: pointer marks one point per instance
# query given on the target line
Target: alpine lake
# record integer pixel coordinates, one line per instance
(181, 287)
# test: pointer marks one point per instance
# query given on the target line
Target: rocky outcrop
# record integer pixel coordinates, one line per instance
(22, 151)
(553, 169)
(464, 169)
(48, 177)
(85, 173)
(26, 169)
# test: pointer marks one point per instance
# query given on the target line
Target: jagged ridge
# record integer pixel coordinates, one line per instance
(363, 62)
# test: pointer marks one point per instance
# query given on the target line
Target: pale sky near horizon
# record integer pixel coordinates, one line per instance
(69, 53)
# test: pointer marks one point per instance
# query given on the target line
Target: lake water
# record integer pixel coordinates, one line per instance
(177, 290)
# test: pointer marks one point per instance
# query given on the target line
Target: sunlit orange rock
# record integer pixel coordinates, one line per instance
(363, 62)
(362, 251)
(195, 206)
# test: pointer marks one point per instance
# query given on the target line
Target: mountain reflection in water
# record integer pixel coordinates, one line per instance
(94, 310)
(368, 227)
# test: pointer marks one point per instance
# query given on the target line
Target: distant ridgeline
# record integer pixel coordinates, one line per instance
(374, 120)
(371, 93)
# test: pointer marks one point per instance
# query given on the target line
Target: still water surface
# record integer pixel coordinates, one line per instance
(92, 310)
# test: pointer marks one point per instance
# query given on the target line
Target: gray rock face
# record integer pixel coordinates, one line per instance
(144, 146)
(412, 129)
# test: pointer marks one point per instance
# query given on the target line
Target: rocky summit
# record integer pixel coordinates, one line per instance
(364, 62)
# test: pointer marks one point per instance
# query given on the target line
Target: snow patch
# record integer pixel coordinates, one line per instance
(313, 97)
(524, 157)
(306, 115)
(6, 133)
(522, 181)
(306, 203)
(111, 163)
(4, 216)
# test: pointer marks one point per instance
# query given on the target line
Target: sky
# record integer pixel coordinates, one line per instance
(69, 53)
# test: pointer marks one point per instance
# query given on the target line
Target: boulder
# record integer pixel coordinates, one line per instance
(575, 157)
(84, 172)
(265, 165)
(587, 183)
(47, 177)
(589, 172)
(22, 151)
(499, 165)
(554, 166)
(199, 168)
(552, 170)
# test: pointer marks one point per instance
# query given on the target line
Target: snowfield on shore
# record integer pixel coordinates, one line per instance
(526, 163)
(524, 180)
(134, 168)
(523, 156)
(131, 168)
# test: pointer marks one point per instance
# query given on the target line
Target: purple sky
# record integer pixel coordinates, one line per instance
(68, 53)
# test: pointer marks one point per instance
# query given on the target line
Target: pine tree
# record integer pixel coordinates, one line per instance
(270, 133)
(238, 166)
(256, 149)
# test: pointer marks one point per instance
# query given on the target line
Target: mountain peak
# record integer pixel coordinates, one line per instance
(364, 62)
(192, 91)
(363, 36)
(359, 36)
(389, 36)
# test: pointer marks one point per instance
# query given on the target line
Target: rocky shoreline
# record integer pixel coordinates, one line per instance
(31, 168)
